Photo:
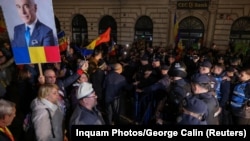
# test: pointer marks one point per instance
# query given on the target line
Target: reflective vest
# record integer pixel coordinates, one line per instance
(217, 89)
(238, 97)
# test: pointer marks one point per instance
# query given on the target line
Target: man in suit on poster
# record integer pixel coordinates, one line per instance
(32, 32)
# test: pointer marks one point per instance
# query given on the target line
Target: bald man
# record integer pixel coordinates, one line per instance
(114, 84)
(118, 68)
(32, 32)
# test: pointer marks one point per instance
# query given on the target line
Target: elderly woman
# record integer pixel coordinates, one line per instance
(7, 114)
(47, 117)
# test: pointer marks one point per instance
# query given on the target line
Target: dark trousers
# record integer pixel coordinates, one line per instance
(225, 117)
(113, 112)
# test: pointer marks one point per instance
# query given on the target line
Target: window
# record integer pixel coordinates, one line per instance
(79, 30)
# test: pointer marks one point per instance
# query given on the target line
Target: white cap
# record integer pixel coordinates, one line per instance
(84, 90)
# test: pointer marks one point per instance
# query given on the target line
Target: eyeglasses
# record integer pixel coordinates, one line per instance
(93, 96)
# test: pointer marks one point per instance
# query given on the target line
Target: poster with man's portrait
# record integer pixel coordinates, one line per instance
(32, 31)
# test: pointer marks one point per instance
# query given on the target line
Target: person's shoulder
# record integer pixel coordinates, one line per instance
(19, 26)
(42, 25)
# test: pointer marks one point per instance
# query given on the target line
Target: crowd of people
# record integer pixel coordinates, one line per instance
(154, 85)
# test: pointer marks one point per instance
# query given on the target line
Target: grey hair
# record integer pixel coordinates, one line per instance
(6, 108)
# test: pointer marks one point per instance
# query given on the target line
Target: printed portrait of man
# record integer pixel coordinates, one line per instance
(31, 29)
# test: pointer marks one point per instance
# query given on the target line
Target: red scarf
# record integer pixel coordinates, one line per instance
(7, 132)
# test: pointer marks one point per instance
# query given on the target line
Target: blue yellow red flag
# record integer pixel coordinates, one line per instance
(37, 54)
(104, 37)
(176, 29)
(62, 40)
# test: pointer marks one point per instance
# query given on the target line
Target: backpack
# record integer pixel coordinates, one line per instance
(29, 130)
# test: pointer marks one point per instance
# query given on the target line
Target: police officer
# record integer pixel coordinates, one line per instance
(169, 108)
(222, 90)
(240, 101)
(194, 112)
(205, 68)
(200, 84)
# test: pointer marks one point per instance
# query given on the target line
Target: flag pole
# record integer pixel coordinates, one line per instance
(40, 69)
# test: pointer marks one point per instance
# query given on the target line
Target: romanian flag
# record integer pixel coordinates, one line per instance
(104, 37)
(176, 30)
(37, 54)
(63, 43)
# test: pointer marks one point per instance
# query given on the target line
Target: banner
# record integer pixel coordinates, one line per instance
(32, 31)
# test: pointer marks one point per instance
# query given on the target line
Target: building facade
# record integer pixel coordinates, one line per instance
(165, 23)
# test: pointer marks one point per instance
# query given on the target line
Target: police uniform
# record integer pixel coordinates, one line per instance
(208, 98)
(240, 102)
(194, 112)
(178, 90)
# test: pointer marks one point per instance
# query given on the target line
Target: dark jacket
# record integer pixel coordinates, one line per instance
(186, 119)
(83, 116)
(213, 107)
(97, 79)
(64, 83)
(114, 83)
(4, 137)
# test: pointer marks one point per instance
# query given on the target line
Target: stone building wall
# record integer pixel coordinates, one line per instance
(217, 18)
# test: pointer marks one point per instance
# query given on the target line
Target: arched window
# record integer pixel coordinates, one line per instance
(144, 30)
(191, 32)
(79, 30)
(108, 21)
(240, 35)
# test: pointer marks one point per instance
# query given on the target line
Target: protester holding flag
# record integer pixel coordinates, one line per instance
(93, 61)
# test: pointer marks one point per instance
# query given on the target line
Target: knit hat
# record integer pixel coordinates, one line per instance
(84, 90)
